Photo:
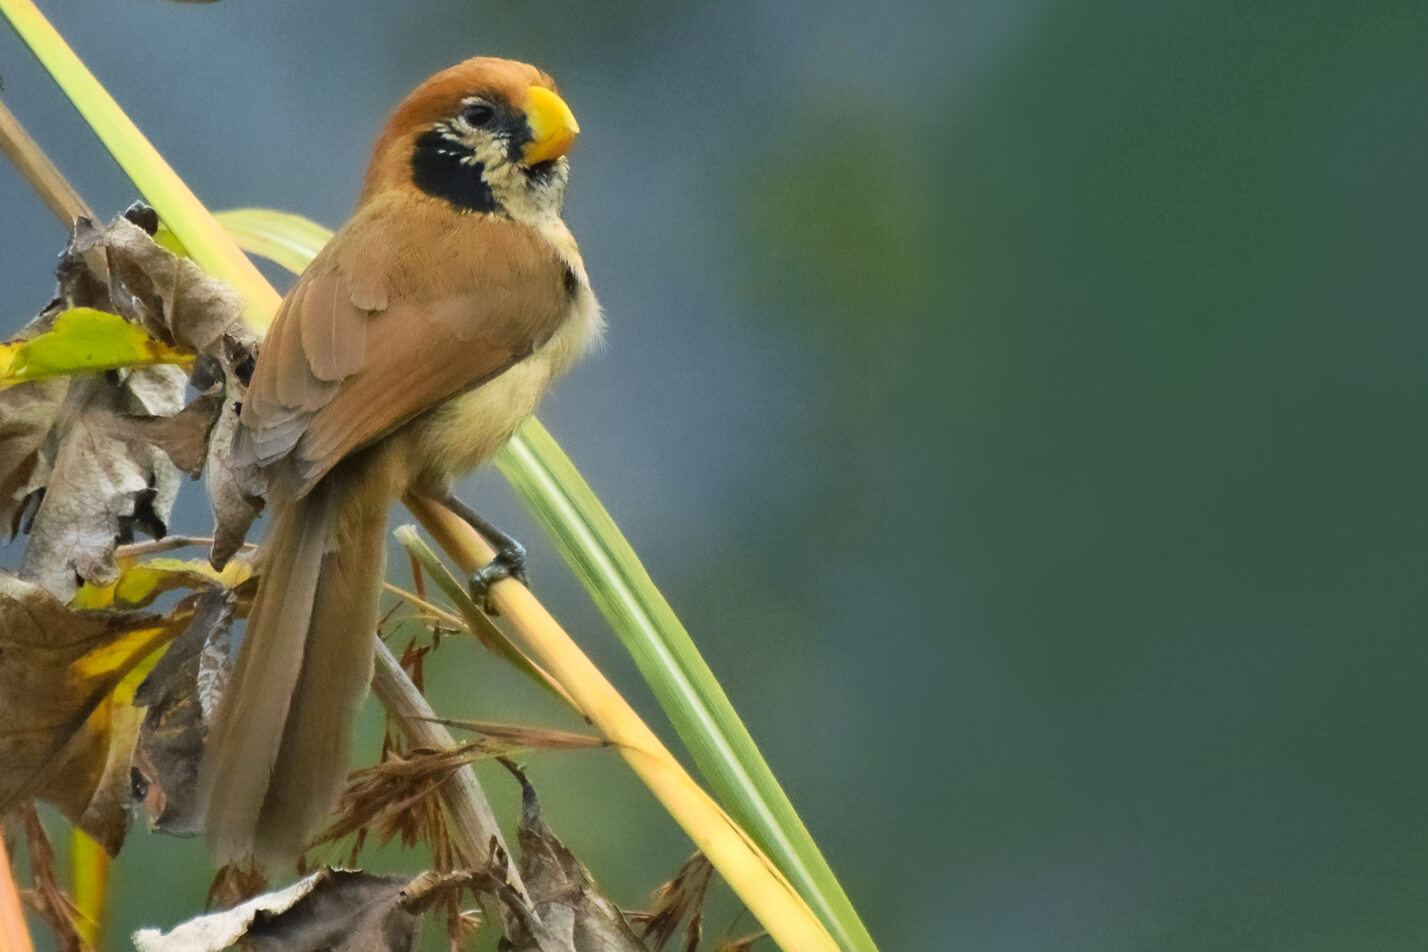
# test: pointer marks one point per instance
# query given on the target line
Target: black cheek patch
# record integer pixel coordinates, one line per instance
(439, 170)
(518, 136)
(541, 172)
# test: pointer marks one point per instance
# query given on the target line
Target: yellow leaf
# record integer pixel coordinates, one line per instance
(141, 582)
(84, 340)
(67, 721)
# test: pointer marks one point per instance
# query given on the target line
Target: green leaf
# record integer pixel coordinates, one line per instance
(84, 340)
(281, 237)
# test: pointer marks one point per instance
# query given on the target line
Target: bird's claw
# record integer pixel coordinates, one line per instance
(508, 563)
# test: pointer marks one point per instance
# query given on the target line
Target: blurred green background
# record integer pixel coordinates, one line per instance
(1020, 401)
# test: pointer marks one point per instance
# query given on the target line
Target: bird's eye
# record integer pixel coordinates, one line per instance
(478, 114)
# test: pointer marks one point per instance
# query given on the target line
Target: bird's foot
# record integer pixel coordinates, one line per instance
(510, 562)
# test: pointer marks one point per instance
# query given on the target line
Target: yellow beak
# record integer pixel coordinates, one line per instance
(553, 126)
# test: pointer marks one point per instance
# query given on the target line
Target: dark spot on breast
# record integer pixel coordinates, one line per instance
(444, 170)
(569, 281)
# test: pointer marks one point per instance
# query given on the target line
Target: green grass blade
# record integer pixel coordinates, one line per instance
(588, 539)
(289, 240)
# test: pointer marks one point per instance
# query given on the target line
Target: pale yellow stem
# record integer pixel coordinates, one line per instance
(53, 188)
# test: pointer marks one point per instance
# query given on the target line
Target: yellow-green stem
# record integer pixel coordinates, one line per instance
(89, 885)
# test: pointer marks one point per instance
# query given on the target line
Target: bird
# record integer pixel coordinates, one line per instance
(407, 353)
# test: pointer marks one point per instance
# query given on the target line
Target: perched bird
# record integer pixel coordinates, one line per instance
(406, 354)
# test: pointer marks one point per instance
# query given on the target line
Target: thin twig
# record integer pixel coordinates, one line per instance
(167, 544)
(47, 181)
(472, 823)
(434, 612)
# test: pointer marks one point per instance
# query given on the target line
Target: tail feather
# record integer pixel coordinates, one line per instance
(336, 672)
(278, 752)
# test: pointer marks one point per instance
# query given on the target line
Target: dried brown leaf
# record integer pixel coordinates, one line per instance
(179, 697)
(67, 728)
(171, 297)
(336, 910)
(100, 487)
(568, 913)
(235, 494)
(100, 452)
(27, 412)
(183, 437)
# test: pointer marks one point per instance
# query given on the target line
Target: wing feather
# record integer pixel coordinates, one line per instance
(334, 377)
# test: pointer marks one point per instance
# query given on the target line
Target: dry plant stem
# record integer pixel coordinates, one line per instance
(471, 821)
(743, 865)
(52, 187)
(14, 937)
(167, 544)
(428, 610)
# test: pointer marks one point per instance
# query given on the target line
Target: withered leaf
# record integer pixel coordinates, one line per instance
(177, 302)
(168, 295)
(183, 437)
(99, 450)
(178, 699)
(332, 909)
(67, 724)
(99, 487)
(570, 912)
(233, 495)
(27, 411)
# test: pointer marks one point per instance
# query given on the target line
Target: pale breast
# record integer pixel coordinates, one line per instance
(467, 430)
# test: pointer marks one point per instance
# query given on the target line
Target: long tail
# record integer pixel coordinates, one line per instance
(278, 752)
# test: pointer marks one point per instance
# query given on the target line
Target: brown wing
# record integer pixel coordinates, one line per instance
(334, 377)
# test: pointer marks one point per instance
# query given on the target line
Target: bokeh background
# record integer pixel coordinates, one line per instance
(1022, 403)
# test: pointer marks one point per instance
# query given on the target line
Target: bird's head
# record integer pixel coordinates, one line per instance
(486, 135)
